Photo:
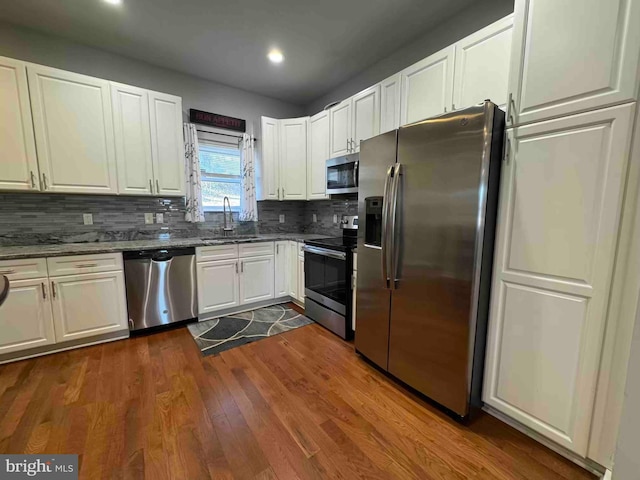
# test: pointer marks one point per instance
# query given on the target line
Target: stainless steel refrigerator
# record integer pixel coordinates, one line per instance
(427, 201)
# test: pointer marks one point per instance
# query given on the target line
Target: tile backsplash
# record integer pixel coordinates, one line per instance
(45, 218)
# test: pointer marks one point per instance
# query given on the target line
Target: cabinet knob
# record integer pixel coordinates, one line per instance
(150, 186)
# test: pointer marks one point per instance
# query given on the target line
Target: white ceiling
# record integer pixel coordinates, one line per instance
(325, 42)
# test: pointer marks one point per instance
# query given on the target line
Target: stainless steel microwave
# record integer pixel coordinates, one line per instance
(342, 174)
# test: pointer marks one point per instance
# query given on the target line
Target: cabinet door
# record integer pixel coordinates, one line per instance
(301, 279)
(25, 317)
(88, 305)
(427, 87)
(318, 156)
(293, 269)
(482, 65)
(256, 279)
(562, 63)
(167, 143)
(293, 158)
(341, 129)
(366, 115)
(217, 285)
(74, 131)
(553, 268)
(282, 269)
(19, 165)
(269, 167)
(390, 103)
(132, 131)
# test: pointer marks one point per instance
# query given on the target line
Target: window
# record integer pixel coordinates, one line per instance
(221, 176)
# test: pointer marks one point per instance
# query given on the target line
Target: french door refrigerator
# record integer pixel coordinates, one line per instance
(427, 197)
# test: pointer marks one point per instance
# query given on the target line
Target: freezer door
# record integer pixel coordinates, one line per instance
(377, 156)
(439, 207)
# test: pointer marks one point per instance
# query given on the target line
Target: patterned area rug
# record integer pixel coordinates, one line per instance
(220, 334)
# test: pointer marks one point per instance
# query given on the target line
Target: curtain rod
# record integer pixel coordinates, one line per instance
(239, 137)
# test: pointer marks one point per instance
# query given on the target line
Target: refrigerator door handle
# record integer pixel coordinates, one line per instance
(393, 248)
(385, 227)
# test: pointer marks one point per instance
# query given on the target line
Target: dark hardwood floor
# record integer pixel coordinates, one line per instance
(298, 405)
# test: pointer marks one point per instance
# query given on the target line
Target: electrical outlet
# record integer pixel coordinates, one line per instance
(315, 218)
(281, 218)
(87, 218)
(148, 218)
(335, 218)
(159, 218)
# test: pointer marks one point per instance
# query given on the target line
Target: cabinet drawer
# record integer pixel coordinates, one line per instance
(256, 249)
(24, 269)
(216, 252)
(105, 262)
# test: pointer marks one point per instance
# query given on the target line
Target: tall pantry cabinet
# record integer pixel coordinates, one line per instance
(570, 114)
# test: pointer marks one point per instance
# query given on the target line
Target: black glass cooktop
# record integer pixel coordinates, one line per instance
(343, 244)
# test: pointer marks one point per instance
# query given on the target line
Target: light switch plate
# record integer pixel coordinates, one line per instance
(87, 218)
(281, 218)
(148, 218)
(315, 218)
(335, 218)
(159, 218)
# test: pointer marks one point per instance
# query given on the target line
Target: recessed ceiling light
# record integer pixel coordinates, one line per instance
(275, 56)
(114, 2)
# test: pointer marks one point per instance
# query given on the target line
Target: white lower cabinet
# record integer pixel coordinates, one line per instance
(256, 279)
(560, 206)
(218, 285)
(281, 266)
(88, 305)
(293, 269)
(25, 317)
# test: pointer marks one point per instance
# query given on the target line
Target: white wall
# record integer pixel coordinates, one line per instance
(627, 459)
(469, 20)
(32, 46)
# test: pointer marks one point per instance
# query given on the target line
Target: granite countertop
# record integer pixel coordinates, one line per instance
(57, 250)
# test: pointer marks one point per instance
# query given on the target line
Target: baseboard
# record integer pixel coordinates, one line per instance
(585, 463)
(246, 308)
(64, 346)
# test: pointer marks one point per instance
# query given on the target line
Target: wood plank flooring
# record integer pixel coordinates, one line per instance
(301, 405)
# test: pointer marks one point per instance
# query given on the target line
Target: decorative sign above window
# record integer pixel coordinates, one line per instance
(215, 120)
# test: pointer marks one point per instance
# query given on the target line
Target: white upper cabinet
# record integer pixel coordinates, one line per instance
(19, 164)
(560, 206)
(366, 115)
(74, 131)
(269, 188)
(293, 158)
(133, 139)
(167, 144)
(390, 103)
(341, 129)
(482, 65)
(427, 87)
(318, 155)
(564, 62)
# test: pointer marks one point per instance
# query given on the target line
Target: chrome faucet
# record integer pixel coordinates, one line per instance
(226, 228)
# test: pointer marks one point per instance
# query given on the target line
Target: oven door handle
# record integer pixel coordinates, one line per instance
(325, 252)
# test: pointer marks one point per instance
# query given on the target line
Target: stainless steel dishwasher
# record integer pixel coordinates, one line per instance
(161, 287)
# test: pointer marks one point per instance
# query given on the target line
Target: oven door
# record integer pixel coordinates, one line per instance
(342, 174)
(325, 277)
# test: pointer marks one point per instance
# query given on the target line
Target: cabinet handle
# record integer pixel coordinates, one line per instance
(453, 106)
(283, 193)
(510, 104)
(44, 291)
(44, 181)
(278, 193)
(241, 267)
(277, 249)
(445, 109)
(86, 265)
(157, 185)
(53, 289)
(7, 272)
(236, 267)
(508, 150)
(150, 186)
(33, 180)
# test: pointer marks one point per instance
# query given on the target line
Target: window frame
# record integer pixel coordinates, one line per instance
(220, 178)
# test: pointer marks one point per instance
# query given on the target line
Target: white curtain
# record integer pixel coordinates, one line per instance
(193, 177)
(248, 202)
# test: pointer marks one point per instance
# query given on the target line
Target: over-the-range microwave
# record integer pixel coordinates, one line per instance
(342, 174)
